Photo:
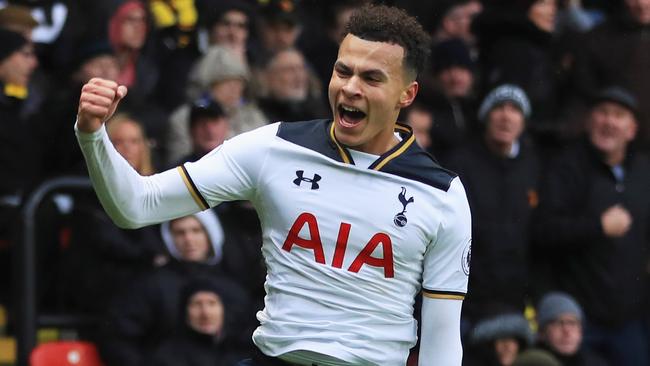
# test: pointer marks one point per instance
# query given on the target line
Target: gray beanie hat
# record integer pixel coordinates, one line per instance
(555, 304)
(502, 326)
(505, 93)
(218, 63)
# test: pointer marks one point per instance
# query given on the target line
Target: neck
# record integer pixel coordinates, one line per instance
(500, 149)
(615, 158)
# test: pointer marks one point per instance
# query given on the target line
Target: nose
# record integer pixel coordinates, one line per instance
(351, 88)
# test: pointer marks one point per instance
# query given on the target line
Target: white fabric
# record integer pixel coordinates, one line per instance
(440, 332)
(361, 318)
(358, 310)
(132, 201)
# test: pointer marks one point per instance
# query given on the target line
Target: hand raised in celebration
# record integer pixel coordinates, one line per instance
(98, 101)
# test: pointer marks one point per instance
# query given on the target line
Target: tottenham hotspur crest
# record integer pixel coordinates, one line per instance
(400, 219)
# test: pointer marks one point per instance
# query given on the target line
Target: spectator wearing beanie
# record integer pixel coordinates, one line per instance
(500, 170)
(560, 320)
(497, 340)
(517, 46)
(220, 75)
(449, 94)
(211, 313)
(591, 228)
(19, 19)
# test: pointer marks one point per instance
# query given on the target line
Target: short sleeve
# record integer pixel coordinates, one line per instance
(231, 171)
(447, 260)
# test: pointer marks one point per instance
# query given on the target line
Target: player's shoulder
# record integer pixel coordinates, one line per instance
(406, 159)
(416, 164)
(315, 135)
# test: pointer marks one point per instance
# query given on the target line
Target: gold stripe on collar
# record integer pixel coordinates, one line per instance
(342, 151)
(405, 145)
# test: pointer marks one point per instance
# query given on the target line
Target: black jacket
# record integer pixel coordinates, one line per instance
(502, 195)
(606, 275)
(146, 313)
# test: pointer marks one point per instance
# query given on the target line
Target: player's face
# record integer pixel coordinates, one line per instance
(564, 334)
(190, 239)
(205, 313)
(368, 88)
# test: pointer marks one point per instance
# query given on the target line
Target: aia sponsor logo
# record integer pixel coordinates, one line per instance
(364, 257)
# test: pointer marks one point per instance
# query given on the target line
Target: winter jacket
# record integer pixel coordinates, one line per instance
(606, 275)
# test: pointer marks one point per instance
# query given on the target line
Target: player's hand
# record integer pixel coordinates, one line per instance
(98, 101)
(616, 221)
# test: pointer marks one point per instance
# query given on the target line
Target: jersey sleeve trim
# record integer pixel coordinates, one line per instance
(191, 187)
(447, 295)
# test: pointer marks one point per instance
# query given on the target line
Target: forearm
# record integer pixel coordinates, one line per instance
(440, 332)
(129, 199)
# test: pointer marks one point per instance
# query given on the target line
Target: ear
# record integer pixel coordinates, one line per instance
(408, 94)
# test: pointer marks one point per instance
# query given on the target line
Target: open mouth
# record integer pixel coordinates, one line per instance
(350, 116)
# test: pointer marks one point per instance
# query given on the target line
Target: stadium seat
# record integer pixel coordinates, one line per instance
(65, 353)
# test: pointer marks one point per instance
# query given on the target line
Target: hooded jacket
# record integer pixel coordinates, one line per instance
(147, 312)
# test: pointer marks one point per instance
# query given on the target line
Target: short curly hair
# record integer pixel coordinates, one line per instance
(381, 23)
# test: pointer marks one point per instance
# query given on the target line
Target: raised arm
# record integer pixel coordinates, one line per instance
(129, 199)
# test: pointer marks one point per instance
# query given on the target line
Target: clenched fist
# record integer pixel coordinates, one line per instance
(98, 101)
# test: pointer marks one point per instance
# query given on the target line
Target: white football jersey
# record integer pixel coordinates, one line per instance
(347, 247)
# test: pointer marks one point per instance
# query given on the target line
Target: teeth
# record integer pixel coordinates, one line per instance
(350, 109)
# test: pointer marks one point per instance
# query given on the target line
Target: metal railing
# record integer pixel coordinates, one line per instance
(25, 272)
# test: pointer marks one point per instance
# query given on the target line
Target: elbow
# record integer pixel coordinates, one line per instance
(124, 215)
(124, 223)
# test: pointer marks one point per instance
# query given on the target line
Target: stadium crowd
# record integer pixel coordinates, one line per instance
(541, 106)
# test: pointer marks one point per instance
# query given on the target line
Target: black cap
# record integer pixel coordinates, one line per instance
(10, 42)
(618, 95)
(205, 107)
(280, 11)
(89, 50)
(449, 53)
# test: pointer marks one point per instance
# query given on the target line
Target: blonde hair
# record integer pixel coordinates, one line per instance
(145, 166)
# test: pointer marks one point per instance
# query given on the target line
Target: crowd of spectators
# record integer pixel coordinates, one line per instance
(541, 106)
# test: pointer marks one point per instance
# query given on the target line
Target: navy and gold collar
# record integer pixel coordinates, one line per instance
(405, 132)
(406, 159)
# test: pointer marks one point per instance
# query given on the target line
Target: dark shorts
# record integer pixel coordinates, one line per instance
(260, 359)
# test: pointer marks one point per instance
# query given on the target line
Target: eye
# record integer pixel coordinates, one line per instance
(342, 71)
